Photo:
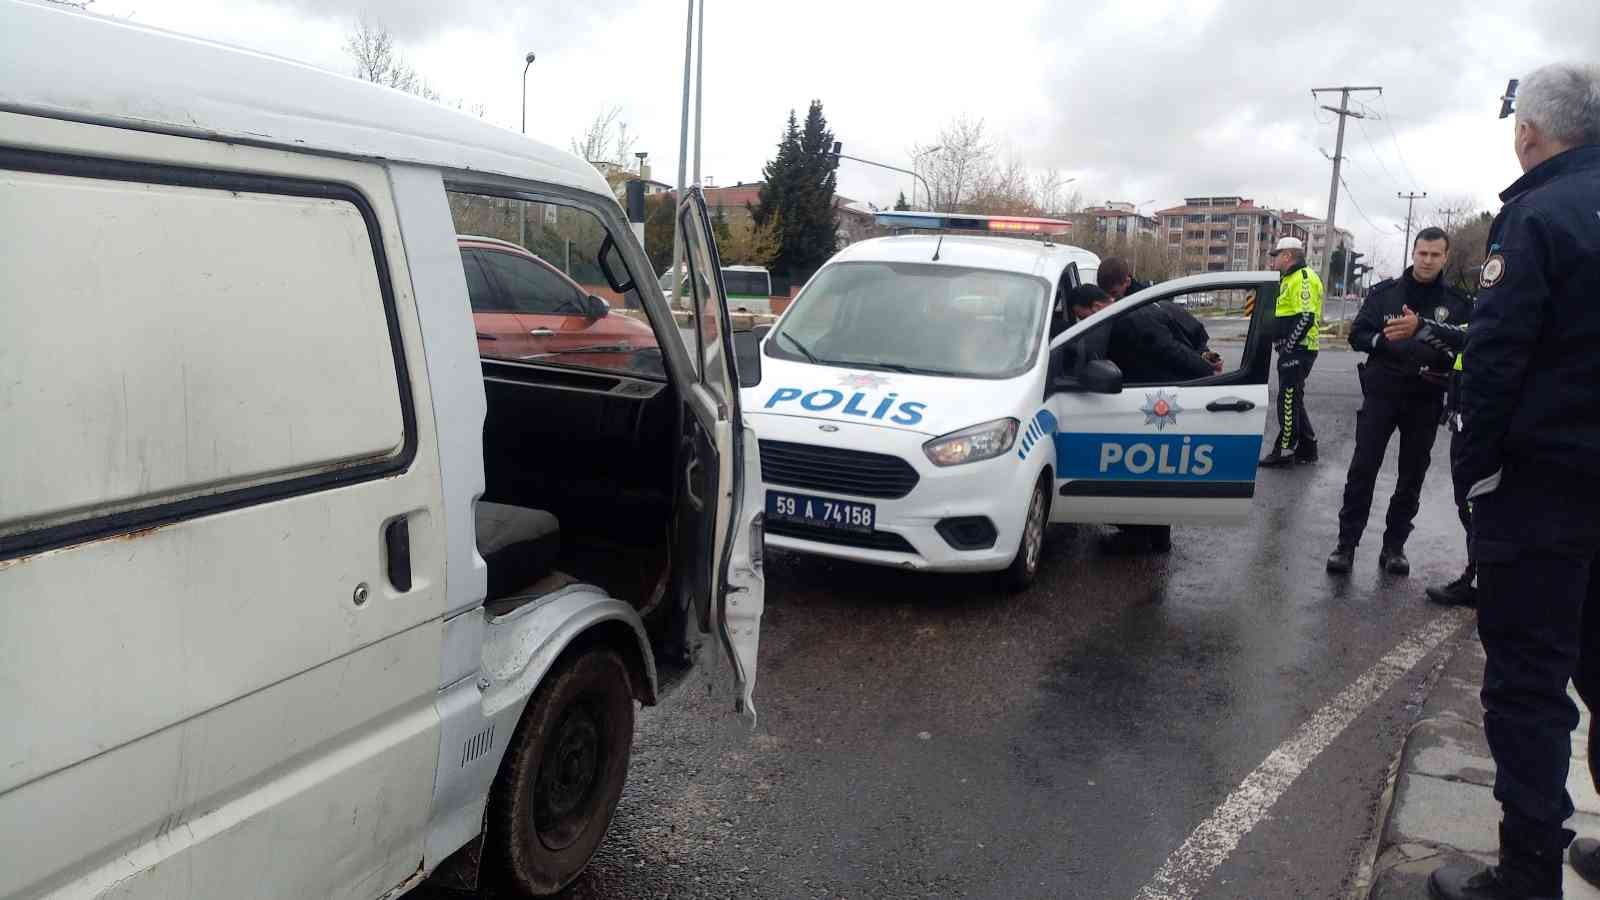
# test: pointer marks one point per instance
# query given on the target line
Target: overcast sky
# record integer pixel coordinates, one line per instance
(1139, 100)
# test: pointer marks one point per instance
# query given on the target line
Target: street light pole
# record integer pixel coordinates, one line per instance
(525, 91)
(837, 146)
(916, 163)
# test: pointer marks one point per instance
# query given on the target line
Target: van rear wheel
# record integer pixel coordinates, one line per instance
(562, 775)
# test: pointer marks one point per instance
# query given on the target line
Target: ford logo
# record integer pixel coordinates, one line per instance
(829, 428)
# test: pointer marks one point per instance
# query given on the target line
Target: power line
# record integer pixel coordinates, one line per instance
(1375, 154)
(1357, 204)
(1396, 138)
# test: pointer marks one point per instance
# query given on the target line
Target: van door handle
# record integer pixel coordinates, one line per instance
(542, 332)
(397, 547)
(688, 483)
(1230, 404)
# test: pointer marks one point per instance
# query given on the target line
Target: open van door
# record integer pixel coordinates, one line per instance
(719, 523)
(1162, 452)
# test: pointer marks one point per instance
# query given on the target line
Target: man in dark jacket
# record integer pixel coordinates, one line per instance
(1531, 438)
(1402, 389)
(1116, 279)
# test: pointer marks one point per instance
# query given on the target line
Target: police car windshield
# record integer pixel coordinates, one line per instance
(917, 318)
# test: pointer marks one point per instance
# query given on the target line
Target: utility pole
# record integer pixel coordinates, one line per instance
(1343, 112)
(1409, 199)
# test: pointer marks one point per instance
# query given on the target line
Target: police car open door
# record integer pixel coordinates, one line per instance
(718, 541)
(1136, 444)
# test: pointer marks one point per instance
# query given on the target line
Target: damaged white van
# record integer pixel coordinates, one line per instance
(307, 587)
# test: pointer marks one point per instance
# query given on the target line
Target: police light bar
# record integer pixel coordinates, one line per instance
(962, 222)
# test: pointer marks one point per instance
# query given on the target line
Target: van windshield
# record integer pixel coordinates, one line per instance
(916, 318)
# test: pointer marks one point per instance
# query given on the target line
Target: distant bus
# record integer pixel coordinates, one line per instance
(749, 288)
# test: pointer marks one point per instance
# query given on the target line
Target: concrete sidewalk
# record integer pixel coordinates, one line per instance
(1443, 801)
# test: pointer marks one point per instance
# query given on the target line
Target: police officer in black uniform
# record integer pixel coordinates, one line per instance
(1530, 398)
(1402, 389)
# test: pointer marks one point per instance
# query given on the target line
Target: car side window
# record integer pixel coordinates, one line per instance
(479, 289)
(530, 288)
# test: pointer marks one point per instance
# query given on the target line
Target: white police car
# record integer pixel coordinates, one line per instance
(914, 410)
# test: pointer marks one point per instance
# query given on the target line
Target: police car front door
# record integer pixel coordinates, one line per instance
(719, 532)
(1166, 453)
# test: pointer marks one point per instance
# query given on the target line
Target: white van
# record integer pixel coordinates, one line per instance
(300, 593)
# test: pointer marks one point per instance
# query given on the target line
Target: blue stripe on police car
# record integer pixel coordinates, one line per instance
(1147, 457)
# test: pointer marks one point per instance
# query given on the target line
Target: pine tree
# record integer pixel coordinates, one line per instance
(901, 205)
(798, 195)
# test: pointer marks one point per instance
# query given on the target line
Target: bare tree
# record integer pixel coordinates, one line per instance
(378, 60)
(957, 161)
(606, 140)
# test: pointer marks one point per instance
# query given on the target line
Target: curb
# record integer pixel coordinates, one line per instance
(1367, 873)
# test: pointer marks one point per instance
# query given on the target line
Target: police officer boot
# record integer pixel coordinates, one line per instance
(1277, 459)
(1306, 453)
(1472, 881)
(1342, 559)
(1460, 592)
(1585, 858)
(1393, 560)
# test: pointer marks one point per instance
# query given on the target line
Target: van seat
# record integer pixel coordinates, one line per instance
(519, 544)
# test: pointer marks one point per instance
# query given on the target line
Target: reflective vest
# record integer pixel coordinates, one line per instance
(1301, 292)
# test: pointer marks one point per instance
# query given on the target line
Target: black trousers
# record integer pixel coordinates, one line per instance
(1463, 509)
(1294, 426)
(1388, 405)
(1536, 540)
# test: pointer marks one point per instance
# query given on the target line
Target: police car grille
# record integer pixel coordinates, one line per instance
(849, 472)
(873, 540)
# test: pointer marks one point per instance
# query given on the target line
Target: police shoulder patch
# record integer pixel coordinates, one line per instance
(1494, 269)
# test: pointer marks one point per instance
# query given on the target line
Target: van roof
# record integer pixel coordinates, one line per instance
(68, 64)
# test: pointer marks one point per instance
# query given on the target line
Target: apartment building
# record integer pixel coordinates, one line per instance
(1121, 222)
(1220, 234)
(1316, 237)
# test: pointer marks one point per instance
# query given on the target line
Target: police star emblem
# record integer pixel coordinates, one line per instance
(1160, 409)
(870, 382)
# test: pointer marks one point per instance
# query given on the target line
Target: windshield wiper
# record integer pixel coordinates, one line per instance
(892, 367)
(801, 347)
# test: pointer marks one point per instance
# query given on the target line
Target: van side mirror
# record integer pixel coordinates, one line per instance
(1101, 376)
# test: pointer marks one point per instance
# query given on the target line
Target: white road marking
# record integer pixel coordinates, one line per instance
(1191, 866)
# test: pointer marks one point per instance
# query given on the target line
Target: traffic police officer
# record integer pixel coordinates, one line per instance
(1299, 320)
(1531, 416)
(1402, 389)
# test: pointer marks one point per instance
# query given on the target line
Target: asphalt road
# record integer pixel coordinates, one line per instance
(928, 736)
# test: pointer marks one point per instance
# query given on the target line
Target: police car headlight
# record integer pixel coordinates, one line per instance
(979, 442)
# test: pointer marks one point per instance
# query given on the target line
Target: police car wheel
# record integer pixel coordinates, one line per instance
(1030, 549)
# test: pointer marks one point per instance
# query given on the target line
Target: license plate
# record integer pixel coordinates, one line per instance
(821, 511)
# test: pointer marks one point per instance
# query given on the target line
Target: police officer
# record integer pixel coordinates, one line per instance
(1402, 389)
(1464, 590)
(1299, 319)
(1531, 415)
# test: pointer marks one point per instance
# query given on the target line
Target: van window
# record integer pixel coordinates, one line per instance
(166, 343)
(746, 284)
(538, 292)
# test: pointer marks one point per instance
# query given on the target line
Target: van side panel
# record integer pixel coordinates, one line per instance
(235, 699)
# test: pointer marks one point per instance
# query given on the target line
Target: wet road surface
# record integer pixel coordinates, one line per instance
(929, 736)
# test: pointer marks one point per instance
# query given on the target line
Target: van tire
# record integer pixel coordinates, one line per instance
(1024, 568)
(562, 775)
